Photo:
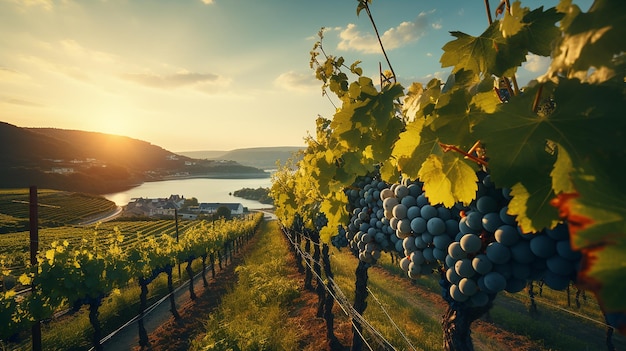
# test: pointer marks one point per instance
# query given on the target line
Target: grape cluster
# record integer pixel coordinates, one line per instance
(340, 240)
(368, 229)
(480, 247)
(490, 253)
(422, 232)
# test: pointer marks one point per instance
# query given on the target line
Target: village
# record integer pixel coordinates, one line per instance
(177, 205)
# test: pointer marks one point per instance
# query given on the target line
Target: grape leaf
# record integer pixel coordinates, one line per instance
(333, 206)
(413, 147)
(515, 137)
(538, 31)
(503, 46)
(448, 179)
(476, 54)
(533, 211)
(591, 41)
(561, 181)
(512, 22)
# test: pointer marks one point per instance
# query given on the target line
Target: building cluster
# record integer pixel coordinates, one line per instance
(174, 204)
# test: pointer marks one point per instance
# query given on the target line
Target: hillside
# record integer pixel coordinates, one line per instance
(260, 157)
(96, 162)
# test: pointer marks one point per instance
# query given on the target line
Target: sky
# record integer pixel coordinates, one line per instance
(211, 74)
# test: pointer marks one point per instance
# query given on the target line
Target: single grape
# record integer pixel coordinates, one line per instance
(471, 243)
(498, 253)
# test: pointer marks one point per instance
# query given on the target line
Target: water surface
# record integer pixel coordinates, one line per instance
(203, 189)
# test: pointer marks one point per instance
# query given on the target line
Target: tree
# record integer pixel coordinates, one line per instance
(223, 212)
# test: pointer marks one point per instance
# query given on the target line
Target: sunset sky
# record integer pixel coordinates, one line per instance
(209, 74)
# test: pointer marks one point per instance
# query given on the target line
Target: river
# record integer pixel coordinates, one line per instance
(203, 189)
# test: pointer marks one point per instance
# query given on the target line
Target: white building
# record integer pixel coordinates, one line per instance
(211, 207)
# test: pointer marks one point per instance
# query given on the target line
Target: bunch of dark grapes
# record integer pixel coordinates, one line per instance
(421, 231)
(491, 254)
(367, 232)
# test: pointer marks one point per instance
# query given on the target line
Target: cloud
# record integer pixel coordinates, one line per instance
(207, 2)
(77, 51)
(393, 38)
(68, 70)
(12, 76)
(296, 81)
(173, 80)
(535, 63)
(20, 102)
(25, 4)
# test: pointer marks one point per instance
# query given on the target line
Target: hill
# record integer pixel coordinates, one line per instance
(96, 162)
(260, 157)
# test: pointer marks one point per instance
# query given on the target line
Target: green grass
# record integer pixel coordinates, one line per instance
(252, 316)
(557, 326)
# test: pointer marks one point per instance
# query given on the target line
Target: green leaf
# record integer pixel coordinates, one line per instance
(406, 148)
(561, 179)
(389, 172)
(448, 180)
(335, 210)
(476, 54)
(591, 41)
(540, 31)
(533, 209)
(512, 22)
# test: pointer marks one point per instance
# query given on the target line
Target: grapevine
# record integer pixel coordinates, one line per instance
(562, 215)
(85, 272)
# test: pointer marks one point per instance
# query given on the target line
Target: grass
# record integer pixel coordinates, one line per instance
(413, 306)
(252, 316)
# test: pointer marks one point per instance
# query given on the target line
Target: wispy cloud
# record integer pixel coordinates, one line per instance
(25, 4)
(77, 51)
(406, 32)
(49, 66)
(17, 101)
(173, 80)
(208, 2)
(12, 76)
(296, 81)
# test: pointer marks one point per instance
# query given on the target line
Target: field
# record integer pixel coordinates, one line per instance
(14, 247)
(56, 208)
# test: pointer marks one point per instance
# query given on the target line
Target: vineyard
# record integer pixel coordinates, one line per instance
(60, 208)
(93, 266)
(489, 187)
(14, 247)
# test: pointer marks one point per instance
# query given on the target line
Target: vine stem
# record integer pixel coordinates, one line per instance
(369, 14)
(537, 98)
(448, 147)
(507, 4)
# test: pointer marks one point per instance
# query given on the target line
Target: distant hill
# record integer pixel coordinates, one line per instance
(259, 157)
(96, 162)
